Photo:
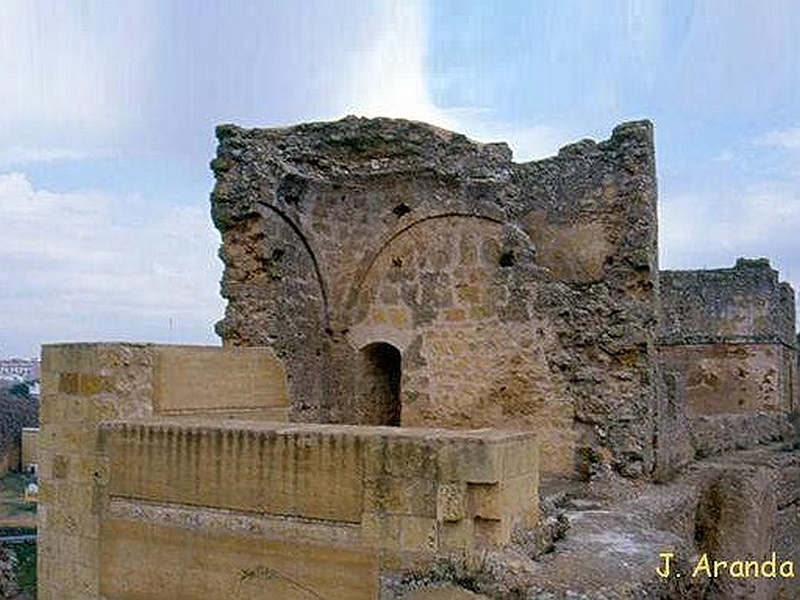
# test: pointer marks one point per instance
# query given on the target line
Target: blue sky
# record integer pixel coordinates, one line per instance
(107, 113)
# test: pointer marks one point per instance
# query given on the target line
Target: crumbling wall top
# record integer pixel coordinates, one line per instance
(744, 303)
(359, 146)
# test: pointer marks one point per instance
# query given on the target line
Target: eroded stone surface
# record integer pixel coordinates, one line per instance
(730, 334)
(444, 593)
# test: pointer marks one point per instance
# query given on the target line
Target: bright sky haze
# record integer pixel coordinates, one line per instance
(108, 109)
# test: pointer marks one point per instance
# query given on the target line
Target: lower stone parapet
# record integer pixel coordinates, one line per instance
(397, 493)
(86, 384)
(148, 491)
(194, 508)
(189, 507)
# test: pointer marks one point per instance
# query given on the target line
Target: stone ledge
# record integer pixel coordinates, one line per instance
(427, 488)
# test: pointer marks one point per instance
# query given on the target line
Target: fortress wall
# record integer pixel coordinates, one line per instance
(130, 496)
(730, 334)
(743, 303)
(339, 235)
(223, 382)
(730, 378)
(155, 560)
(287, 472)
(719, 433)
(82, 385)
(406, 490)
(591, 212)
(673, 441)
(474, 350)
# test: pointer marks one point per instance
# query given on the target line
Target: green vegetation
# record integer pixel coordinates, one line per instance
(19, 517)
(12, 500)
(21, 390)
(26, 567)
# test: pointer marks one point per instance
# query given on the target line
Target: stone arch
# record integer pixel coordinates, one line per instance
(277, 297)
(312, 255)
(364, 269)
(455, 292)
(378, 385)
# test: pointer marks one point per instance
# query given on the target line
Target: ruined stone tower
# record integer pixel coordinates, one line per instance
(408, 275)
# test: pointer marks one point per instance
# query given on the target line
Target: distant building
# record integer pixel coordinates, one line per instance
(29, 455)
(19, 369)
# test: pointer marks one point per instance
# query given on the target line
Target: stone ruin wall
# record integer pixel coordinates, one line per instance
(730, 335)
(514, 295)
(729, 360)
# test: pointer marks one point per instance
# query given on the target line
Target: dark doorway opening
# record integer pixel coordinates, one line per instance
(379, 385)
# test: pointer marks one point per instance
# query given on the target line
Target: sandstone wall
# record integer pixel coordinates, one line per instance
(81, 386)
(730, 334)
(745, 302)
(86, 384)
(215, 382)
(730, 378)
(515, 295)
(674, 443)
(299, 509)
(592, 214)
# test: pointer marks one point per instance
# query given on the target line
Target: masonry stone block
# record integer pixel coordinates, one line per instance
(451, 502)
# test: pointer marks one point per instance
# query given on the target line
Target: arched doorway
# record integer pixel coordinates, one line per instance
(379, 385)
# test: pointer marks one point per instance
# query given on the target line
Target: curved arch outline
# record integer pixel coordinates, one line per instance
(362, 274)
(296, 228)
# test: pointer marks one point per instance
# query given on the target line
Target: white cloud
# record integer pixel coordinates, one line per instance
(712, 231)
(727, 156)
(528, 142)
(90, 266)
(739, 57)
(389, 78)
(781, 138)
(388, 73)
(17, 155)
(72, 71)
